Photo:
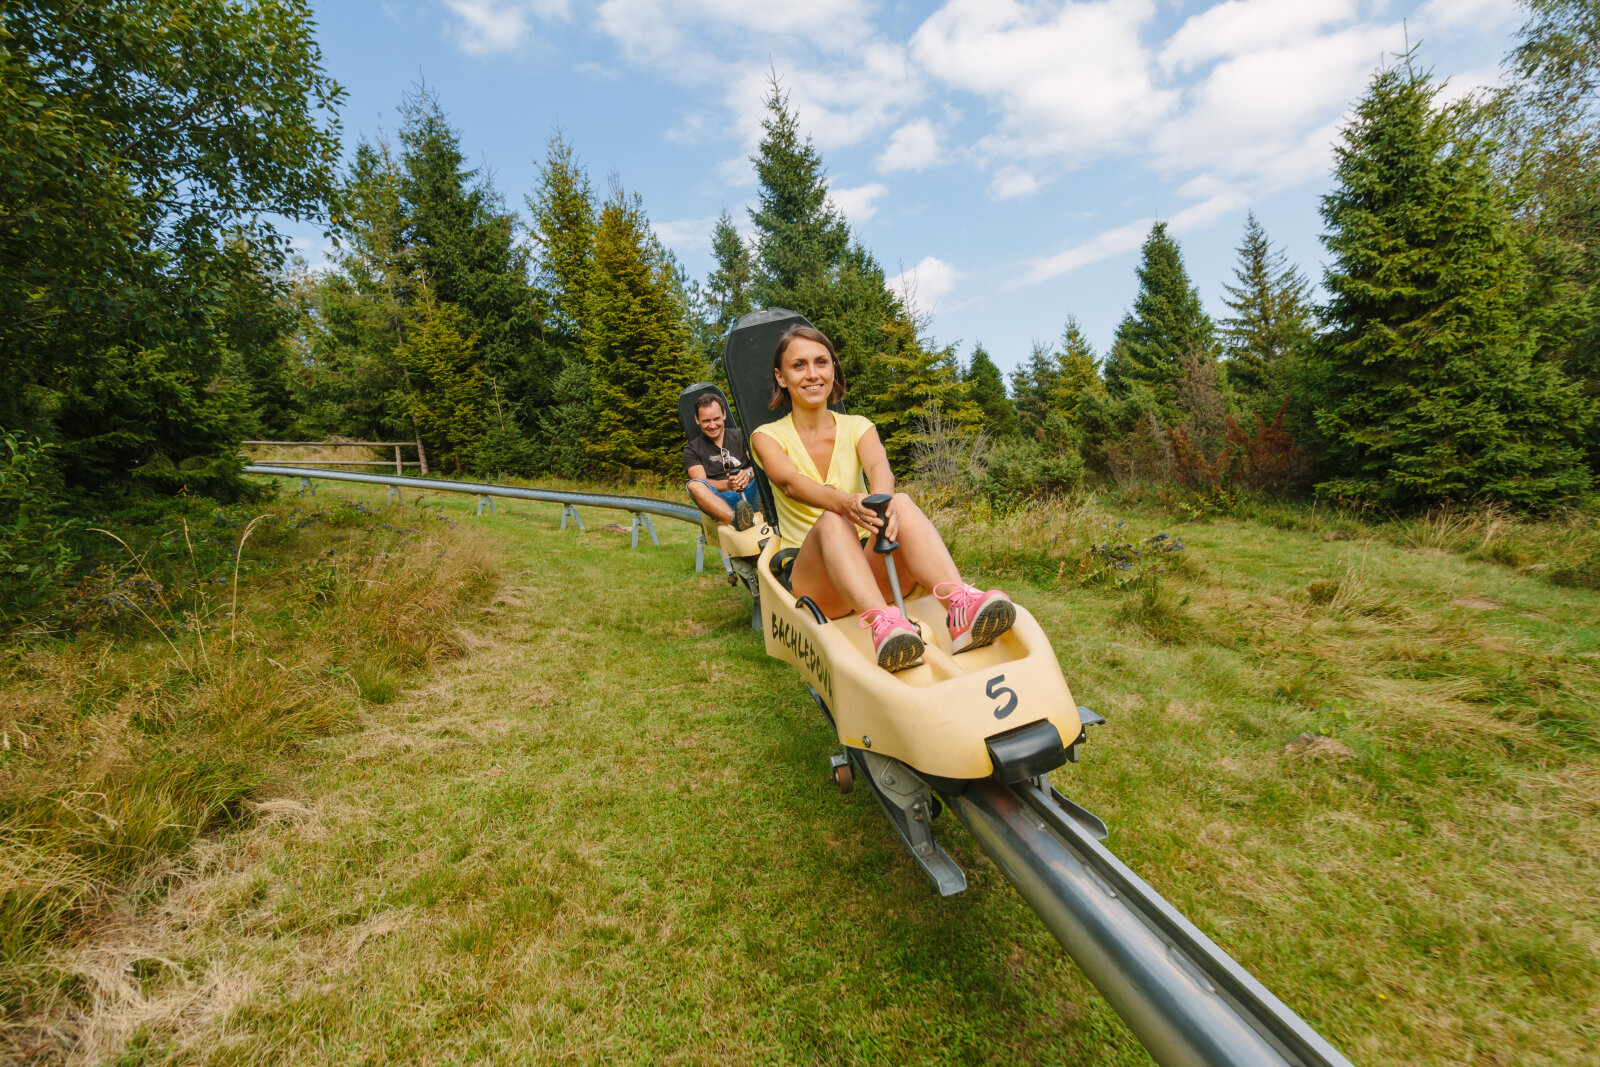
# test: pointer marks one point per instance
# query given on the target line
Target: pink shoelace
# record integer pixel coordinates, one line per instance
(882, 620)
(961, 599)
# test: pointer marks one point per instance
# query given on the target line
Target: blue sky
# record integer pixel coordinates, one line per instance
(1008, 156)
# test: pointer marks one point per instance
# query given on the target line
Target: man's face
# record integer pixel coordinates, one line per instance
(710, 420)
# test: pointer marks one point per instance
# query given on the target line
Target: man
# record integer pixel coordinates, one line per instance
(721, 479)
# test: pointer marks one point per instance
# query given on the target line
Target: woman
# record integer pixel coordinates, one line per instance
(814, 460)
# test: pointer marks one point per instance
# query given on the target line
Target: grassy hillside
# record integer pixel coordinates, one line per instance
(1363, 762)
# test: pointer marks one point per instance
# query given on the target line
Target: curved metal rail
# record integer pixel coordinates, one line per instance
(1185, 999)
(642, 505)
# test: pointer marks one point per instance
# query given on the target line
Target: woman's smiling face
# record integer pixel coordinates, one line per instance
(806, 371)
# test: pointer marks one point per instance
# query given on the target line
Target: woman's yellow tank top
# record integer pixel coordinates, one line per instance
(844, 470)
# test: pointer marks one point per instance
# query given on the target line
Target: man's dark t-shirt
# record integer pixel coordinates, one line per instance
(718, 462)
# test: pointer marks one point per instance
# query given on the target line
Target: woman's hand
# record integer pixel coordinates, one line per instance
(853, 508)
(891, 528)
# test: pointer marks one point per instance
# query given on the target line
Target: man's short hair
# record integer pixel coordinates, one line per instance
(707, 399)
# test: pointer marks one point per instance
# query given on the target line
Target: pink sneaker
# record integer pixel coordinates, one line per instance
(897, 642)
(976, 618)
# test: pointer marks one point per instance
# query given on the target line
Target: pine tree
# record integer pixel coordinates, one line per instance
(636, 343)
(1056, 382)
(1428, 385)
(1271, 314)
(1167, 320)
(987, 389)
(730, 285)
(348, 380)
(465, 243)
(807, 262)
(1078, 374)
(562, 210)
(448, 401)
(800, 235)
(1546, 120)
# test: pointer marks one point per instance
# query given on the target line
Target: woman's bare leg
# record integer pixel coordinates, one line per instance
(922, 557)
(832, 570)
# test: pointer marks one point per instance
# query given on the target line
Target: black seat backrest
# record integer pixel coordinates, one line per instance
(747, 361)
(689, 403)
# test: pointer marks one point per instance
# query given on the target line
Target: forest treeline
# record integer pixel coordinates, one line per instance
(152, 316)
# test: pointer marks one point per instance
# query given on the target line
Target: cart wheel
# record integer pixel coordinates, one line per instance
(844, 778)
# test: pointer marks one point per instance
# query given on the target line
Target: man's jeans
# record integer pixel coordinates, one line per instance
(731, 497)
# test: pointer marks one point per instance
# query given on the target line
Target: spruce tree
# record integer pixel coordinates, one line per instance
(807, 262)
(1078, 374)
(730, 286)
(800, 235)
(1271, 318)
(636, 344)
(1167, 321)
(562, 211)
(1428, 386)
(349, 380)
(448, 401)
(465, 243)
(987, 389)
(1056, 382)
(1546, 120)
(563, 224)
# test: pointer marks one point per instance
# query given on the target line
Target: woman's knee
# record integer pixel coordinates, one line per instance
(832, 525)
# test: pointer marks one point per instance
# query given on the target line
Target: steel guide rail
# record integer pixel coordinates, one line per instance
(639, 505)
(1186, 1000)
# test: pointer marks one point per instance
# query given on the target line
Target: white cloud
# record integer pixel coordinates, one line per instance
(1256, 105)
(1127, 237)
(1481, 16)
(1244, 25)
(925, 283)
(860, 202)
(681, 234)
(690, 36)
(1012, 182)
(1072, 82)
(914, 146)
(488, 26)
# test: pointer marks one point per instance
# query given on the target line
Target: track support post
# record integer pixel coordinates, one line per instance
(308, 486)
(486, 500)
(394, 495)
(570, 510)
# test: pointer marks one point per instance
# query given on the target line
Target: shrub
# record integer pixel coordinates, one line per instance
(1023, 469)
(35, 555)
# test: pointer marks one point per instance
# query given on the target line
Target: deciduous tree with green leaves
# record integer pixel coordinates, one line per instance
(148, 146)
(1429, 388)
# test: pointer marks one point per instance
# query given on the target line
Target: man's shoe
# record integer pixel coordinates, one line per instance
(744, 516)
(976, 617)
(896, 641)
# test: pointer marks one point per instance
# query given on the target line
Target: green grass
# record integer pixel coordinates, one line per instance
(606, 834)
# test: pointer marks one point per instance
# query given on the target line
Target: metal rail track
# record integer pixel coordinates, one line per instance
(1185, 999)
(641, 507)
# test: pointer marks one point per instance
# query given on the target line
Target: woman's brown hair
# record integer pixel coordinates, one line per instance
(804, 333)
